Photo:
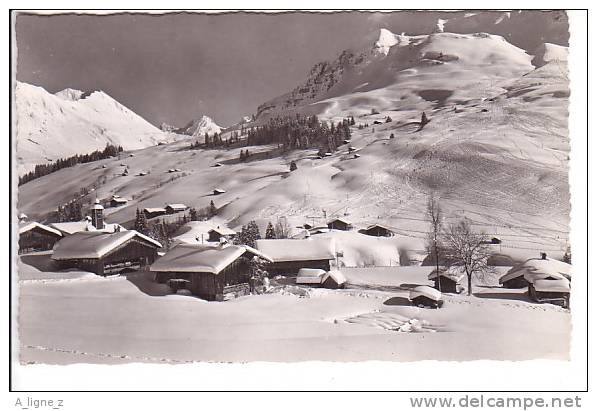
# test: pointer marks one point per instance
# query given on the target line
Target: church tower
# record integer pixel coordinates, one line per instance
(97, 215)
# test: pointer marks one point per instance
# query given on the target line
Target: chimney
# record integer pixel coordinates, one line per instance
(544, 256)
(97, 215)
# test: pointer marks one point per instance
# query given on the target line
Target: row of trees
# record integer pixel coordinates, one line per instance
(45, 169)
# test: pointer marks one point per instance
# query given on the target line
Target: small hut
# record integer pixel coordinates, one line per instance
(334, 279)
(310, 276)
(378, 230)
(151, 212)
(118, 201)
(212, 271)
(105, 253)
(526, 273)
(426, 296)
(218, 191)
(35, 236)
(175, 208)
(290, 255)
(550, 290)
(448, 280)
(219, 233)
(340, 224)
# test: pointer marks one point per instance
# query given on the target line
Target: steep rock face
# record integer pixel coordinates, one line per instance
(414, 62)
(51, 126)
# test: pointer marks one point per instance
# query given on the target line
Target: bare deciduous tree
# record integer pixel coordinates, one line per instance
(282, 228)
(434, 215)
(467, 249)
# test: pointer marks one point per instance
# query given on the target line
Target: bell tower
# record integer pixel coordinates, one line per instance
(97, 215)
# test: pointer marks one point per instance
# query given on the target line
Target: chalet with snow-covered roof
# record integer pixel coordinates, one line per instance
(377, 230)
(543, 268)
(105, 253)
(448, 280)
(118, 201)
(175, 208)
(218, 191)
(35, 236)
(289, 255)
(218, 233)
(425, 296)
(151, 212)
(340, 224)
(212, 271)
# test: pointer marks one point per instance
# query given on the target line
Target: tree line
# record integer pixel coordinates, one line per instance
(41, 170)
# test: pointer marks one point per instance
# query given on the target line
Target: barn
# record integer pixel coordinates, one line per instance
(118, 201)
(105, 253)
(448, 280)
(212, 271)
(290, 255)
(378, 230)
(340, 224)
(35, 236)
(151, 212)
(175, 208)
(218, 233)
(533, 269)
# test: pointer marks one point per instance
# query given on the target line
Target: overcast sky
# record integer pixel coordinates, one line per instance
(175, 67)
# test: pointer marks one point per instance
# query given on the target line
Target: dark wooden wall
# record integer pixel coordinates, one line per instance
(37, 239)
(293, 267)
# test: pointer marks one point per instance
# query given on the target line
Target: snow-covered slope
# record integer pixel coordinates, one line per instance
(547, 52)
(198, 127)
(444, 67)
(51, 126)
(496, 151)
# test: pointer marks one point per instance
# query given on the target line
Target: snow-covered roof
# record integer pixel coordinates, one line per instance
(177, 206)
(455, 274)
(335, 275)
(310, 276)
(340, 219)
(97, 205)
(425, 291)
(537, 268)
(71, 227)
(561, 285)
(200, 258)
(219, 190)
(119, 199)
(34, 224)
(298, 250)
(223, 230)
(154, 210)
(94, 244)
(372, 226)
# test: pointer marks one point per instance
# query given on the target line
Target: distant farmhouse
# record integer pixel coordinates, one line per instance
(35, 236)
(118, 201)
(377, 230)
(211, 271)
(340, 224)
(105, 253)
(218, 233)
(175, 208)
(289, 256)
(448, 279)
(151, 212)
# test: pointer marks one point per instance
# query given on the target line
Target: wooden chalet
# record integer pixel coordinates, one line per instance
(151, 212)
(35, 236)
(175, 208)
(118, 201)
(218, 233)
(289, 255)
(448, 280)
(105, 253)
(218, 191)
(523, 274)
(211, 271)
(377, 230)
(340, 224)
(425, 296)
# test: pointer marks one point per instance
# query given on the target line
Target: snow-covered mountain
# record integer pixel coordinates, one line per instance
(198, 127)
(412, 68)
(51, 126)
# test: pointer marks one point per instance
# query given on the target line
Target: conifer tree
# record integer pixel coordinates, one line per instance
(270, 233)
